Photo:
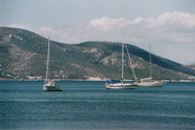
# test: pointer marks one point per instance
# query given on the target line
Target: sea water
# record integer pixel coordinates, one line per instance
(87, 105)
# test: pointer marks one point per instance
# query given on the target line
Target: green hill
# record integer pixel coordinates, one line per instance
(23, 56)
(192, 66)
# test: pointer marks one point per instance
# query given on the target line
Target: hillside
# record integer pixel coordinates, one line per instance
(192, 66)
(23, 56)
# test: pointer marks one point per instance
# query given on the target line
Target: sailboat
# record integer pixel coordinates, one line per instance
(50, 85)
(119, 84)
(148, 82)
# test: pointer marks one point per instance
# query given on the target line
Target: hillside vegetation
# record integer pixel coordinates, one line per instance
(23, 56)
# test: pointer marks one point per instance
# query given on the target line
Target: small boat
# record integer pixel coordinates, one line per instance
(119, 84)
(148, 82)
(50, 85)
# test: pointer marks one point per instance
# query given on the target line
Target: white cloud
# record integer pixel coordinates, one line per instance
(22, 26)
(177, 18)
(138, 20)
(107, 23)
(172, 35)
(58, 35)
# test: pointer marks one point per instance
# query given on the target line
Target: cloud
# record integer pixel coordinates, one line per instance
(56, 34)
(106, 23)
(22, 26)
(172, 34)
(177, 18)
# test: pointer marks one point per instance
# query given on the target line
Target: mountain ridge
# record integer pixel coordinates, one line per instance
(23, 55)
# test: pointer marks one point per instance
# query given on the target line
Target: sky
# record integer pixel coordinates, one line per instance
(167, 25)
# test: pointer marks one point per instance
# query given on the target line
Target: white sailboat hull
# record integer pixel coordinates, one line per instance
(120, 86)
(150, 84)
(51, 87)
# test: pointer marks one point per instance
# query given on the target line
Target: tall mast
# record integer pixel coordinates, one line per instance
(131, 65)
(122, 62)
(150, 61)
(48, 58)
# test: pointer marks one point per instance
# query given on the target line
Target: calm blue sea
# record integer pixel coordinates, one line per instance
(86, 105)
